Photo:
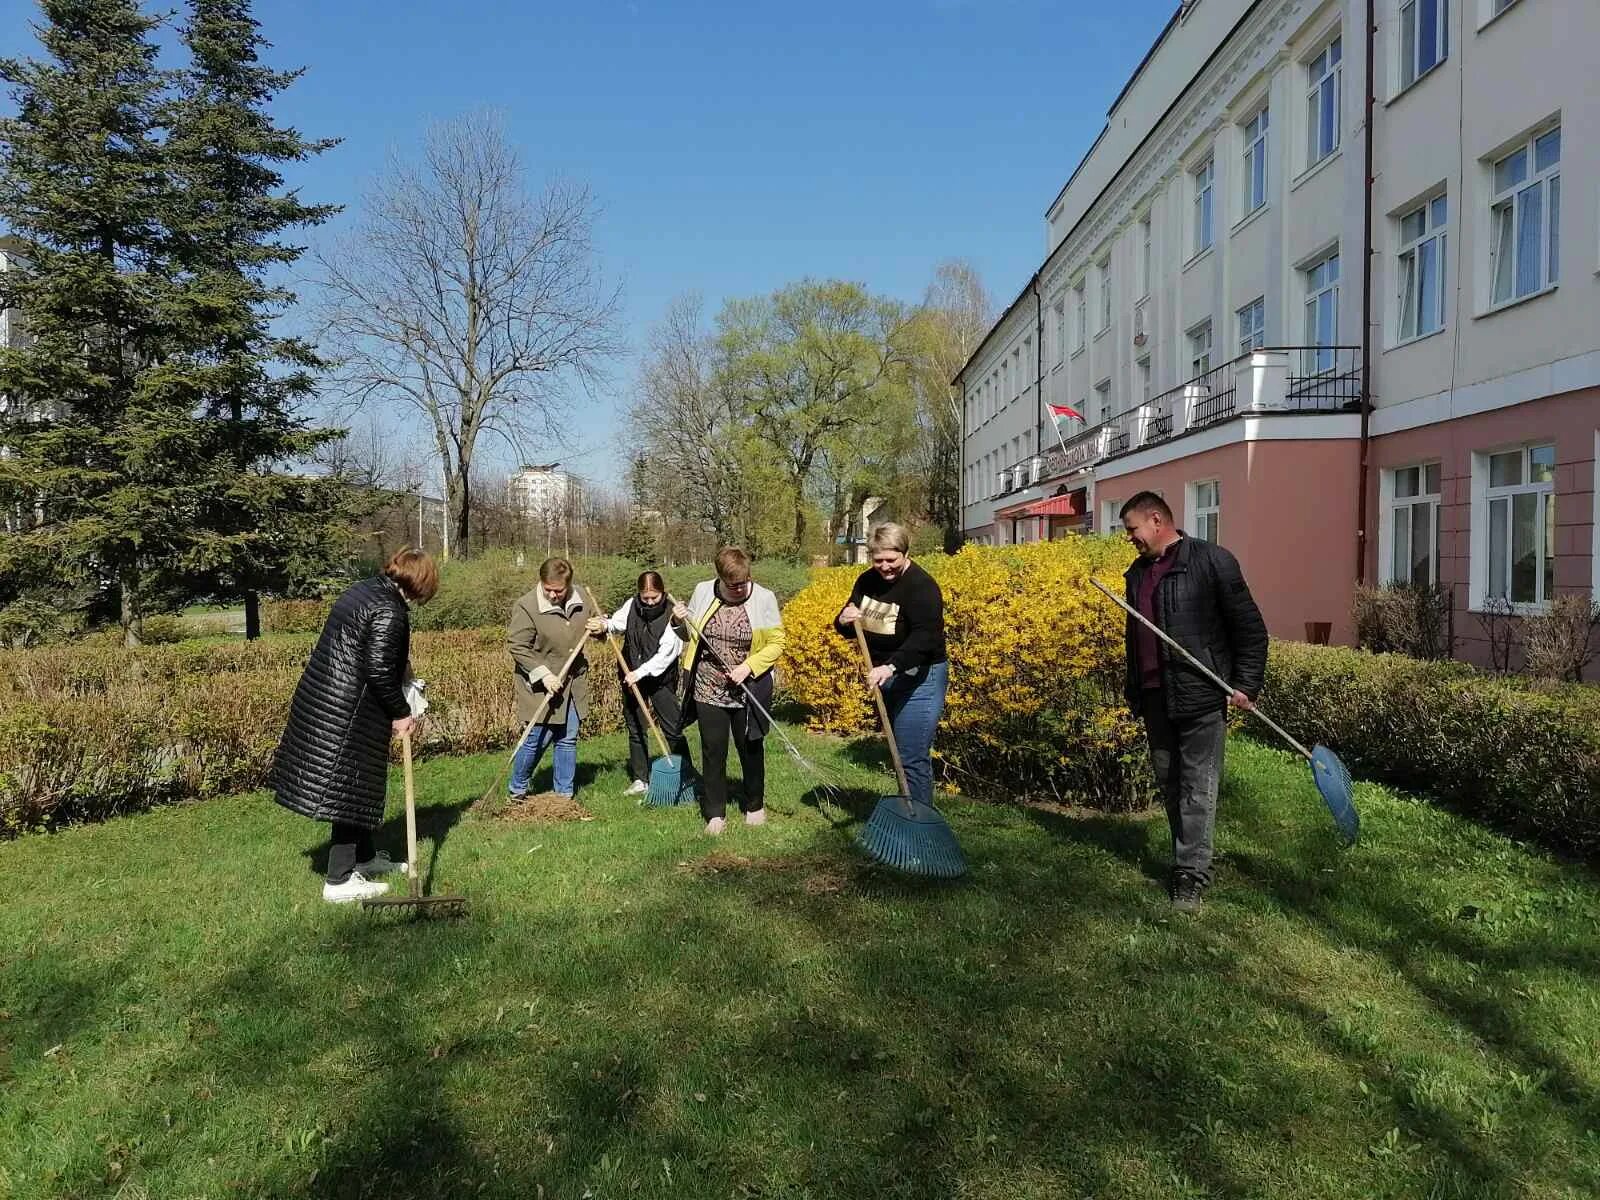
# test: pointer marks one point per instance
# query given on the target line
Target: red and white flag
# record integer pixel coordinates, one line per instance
(1058, 411)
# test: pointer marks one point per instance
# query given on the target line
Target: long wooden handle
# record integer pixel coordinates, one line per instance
(414, 880)
(1198, 665)
(638, 696)
(883, 715)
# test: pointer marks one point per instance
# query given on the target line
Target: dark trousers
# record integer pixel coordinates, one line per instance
(1186, 753)
(350, 844)
(717, 725)
(664, 704)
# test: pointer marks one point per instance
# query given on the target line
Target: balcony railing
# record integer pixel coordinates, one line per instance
(1277, 379)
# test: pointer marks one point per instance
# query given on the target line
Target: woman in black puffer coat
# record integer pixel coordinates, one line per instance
(333, 761)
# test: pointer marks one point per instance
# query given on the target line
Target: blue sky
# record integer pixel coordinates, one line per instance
(733, 146)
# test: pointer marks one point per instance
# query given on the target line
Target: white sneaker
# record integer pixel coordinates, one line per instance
(379, 864)
(715, 826)
(759, 817)
(357, 887)
(637, 788)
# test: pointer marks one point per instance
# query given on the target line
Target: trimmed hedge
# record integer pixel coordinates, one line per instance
(92, 731)
(1522, 757)
(479, 592)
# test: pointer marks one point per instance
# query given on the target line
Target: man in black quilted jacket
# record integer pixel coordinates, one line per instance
(1195, 593)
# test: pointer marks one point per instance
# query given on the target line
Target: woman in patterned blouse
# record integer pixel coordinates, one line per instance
(732, 622)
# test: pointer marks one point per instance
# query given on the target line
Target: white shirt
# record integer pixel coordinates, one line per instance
(671, 644)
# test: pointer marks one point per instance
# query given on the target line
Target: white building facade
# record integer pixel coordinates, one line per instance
(1202, 303)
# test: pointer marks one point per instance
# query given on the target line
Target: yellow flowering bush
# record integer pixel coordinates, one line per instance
(1036, 671)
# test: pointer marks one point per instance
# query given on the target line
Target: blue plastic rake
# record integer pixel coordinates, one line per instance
(905, 834)
(1329, 774)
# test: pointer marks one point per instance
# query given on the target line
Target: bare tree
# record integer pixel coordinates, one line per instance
(955, 315)
(690, 427)
(464, 299)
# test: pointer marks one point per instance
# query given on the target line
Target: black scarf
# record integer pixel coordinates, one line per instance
(642, 638)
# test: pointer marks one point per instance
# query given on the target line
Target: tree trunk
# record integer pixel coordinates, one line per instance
(132, 625)
(252, 616)
(800, 524)
(463, 515)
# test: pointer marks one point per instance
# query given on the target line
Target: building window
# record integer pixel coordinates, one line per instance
(1322, 314)
(1521, 506)
(1144, 256)
(1424, 37)
(1103, 268)
(1496, 7)
(1144, 380)
(1255, 162)
(1102, 402)
(1060, 317)
(1414, 526)
(1253, 325)
(1422, 268)
(1206, 508)
(1080, 321)
(1204, 192)
(1200, 349)
(1021, 360)
(1525, 219)
(1324, 75)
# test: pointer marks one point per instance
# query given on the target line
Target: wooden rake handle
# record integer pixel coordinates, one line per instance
(883, 713)
(538, 716)
(413, 879)
(638, 696)
(1200, 666)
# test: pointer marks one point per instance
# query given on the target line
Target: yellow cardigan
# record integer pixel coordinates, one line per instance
(766, 626)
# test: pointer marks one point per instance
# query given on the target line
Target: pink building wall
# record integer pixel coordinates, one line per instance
(1569, 420)
(1288, 513)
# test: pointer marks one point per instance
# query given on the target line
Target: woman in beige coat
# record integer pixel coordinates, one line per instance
(547, 625)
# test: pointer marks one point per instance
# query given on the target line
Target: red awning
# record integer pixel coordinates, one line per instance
(1070, 505)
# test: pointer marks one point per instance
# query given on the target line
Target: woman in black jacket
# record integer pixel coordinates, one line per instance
(333, 761)
(901, 610)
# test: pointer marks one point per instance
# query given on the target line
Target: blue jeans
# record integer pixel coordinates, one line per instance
(915, 699)
(565, 766)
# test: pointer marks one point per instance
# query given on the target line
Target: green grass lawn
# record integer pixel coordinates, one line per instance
(633, 1010)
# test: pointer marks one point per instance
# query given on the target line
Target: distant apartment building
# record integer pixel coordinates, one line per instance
(1203, 304)
(543, 493)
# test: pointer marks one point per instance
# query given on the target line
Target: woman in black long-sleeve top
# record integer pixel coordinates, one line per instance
(333, 761)
(902, 613)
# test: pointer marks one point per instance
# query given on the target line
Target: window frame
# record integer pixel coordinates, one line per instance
(1319, 74)
(1509, 200)
(1198, 355)
(1394, 503)
(1204, 521)
(1410, 292)
(1204, 225)
(1103, 278)
(1251, 339)
(1318, 356)
(1255, 152)
(1146, 258)
(1545, 525)
(1411, 69)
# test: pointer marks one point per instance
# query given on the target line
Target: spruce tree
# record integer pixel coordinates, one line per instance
(259, 526)
(90, 444)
